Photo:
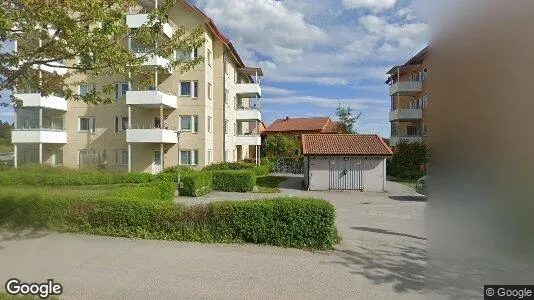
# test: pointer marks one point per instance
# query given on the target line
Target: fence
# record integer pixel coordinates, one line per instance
(290, 165)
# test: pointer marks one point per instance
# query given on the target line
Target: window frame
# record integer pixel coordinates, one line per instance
(190, 88)
(424, 129)
(194, 89)
(209, 120)
(56, 157)
(190, 123)
(92, 88)
(91, 124)
(194, 124)
(208, 57)
(188, 157)
(225, 126)
(121, 157)
(120, 126)
(210, 91)
(119, 87)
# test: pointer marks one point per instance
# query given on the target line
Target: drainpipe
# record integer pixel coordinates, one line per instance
(224, 104)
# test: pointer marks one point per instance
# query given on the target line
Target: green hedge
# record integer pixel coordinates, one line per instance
(233, 181)
(53, 176)
(159, 190)
(196, 184)
(288, 222)
(261, 170)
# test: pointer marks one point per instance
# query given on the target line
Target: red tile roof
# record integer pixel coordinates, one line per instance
(330, 127)
(299, 124)
(344, 144)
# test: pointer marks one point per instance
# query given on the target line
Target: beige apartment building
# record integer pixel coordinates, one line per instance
(408, 85)
(207, 115)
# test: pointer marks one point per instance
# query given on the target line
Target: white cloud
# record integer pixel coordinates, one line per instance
(373, 4)
(356, 103)
(274, 91)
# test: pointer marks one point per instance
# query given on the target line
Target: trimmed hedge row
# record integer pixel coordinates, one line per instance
(288, 222)
(53, 176)
(196, 184)
(233, 181)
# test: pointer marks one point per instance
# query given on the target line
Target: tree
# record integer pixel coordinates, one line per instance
(407, 160)
(83, 37)
(279, 144)
(346, 119)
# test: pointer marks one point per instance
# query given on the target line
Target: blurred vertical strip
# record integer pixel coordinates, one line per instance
(481, 131)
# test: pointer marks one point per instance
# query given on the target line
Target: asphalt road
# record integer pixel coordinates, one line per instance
(381, 256)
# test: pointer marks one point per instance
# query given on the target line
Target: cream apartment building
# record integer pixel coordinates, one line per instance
(408, 86)
(207, 115)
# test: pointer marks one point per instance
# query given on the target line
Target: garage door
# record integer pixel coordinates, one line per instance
(345, 173)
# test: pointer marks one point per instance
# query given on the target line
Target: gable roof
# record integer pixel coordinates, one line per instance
(299, 124)
(345, 144)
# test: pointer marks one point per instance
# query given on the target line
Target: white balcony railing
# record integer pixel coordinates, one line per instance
(39, 135)
(140, 18)
(406, 114)
(405, 88)
(251, 90)
(153, 60)
(36, 100)
(248, 139)
(394, 140)
(151, 99)
(248, 114)
(151, 135)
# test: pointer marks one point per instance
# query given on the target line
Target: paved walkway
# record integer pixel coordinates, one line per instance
(381, 256)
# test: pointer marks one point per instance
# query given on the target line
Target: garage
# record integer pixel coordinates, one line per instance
(345, 162)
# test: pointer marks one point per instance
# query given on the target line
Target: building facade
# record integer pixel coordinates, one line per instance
(408, 85)
(207, 115)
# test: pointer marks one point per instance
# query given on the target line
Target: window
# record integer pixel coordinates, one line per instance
(208, 158)
(225, 126)
(226, 67)
(236, 77)
(420, 103)
(425, 74)
(86, 89)
(411, 130)
(121, 157)
(121, 123)
(209, 58)
(195, 89)
(209, 124)
(185, 123)
(185, 88)
(424, 129)
(225, 96)
(182, 55)
(87, 124)
(87, 157)
(120, 90)
(195, 157)
(58, 157)
(209, 91)
(226, 155)
(194, 53)
(194, 127)
(425, 101)
(185, 157)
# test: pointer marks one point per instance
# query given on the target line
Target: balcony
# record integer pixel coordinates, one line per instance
(394, 140)
(406, 114)
(405, 88)
(152, 60)
(39, 135)
(151, 135)
(248, 90)
(36, 100)
(138, 19)
(248, 139)
(248, 114)
(151, 99)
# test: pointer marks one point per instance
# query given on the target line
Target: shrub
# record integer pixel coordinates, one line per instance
(159, 190)
(288, 222)
(233, 181)
(196, 184)
(230, 166)
(407, 160)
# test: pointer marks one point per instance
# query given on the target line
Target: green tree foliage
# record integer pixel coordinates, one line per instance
(347, 119)
(5, 132)
(407, 160)
(90, 38)
(280, 144)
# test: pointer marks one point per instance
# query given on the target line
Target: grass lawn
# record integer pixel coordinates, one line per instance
(269, 184)
(408, 182)
(83, 190)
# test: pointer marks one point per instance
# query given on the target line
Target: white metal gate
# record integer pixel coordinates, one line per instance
(345, 173)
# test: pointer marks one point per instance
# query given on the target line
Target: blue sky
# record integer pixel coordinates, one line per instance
(316, 54)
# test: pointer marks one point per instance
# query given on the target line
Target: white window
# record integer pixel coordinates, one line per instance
(208, 158)
(425, 74)
(209, 90)
(121, 124)
(195, 157)
(226, 96)
(86, 89)
(226, 66)
(185, 88)
(420, 103)
(425, 129)
(225, 126)
(120, 90)
(58, 157)
(87, 124)
(209, 58)
(87, 156)
(185, 157)
(425, 101)
(236, 77)
(209, 124)
(182, 55)
(194, 125)
(121, 157)
(195, 89)
(185, 123)
(194, 53)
